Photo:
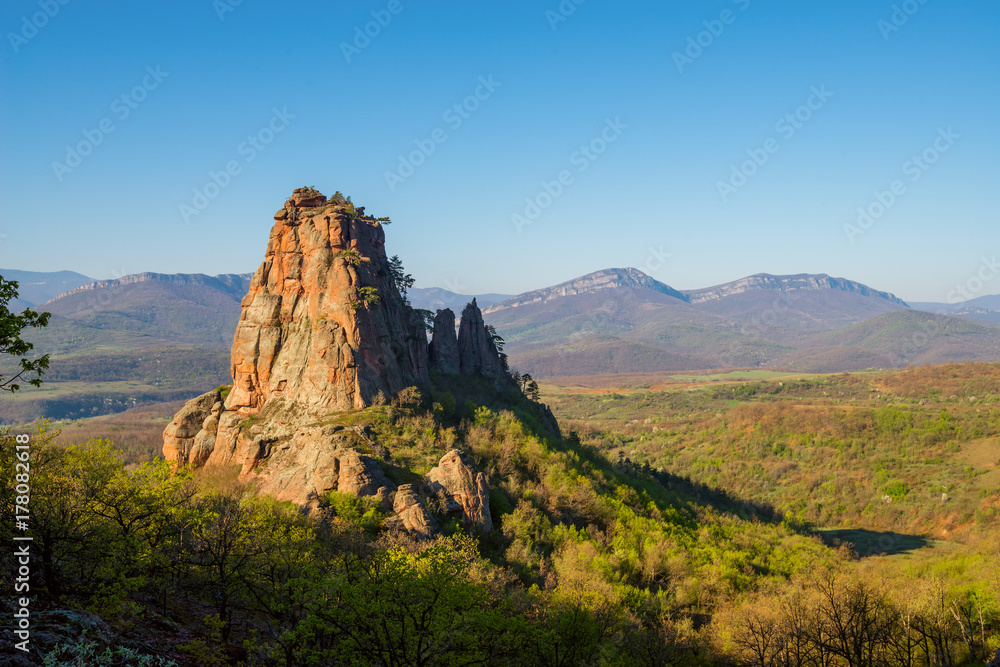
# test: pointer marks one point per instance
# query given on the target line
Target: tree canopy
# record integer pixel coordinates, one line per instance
(11, 326)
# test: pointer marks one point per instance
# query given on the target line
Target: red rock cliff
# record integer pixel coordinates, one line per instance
(323, 324)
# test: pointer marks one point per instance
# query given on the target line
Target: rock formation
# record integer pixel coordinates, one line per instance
(323, 324)
(323, 331)
(466, 489)
(411, 514)
(443, 350)
(477, 355)
(190, 437)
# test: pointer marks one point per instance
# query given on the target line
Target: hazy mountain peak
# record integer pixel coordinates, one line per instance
(226, 282)
(788, 283)
(588, 284)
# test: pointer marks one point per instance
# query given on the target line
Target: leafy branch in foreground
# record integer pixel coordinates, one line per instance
(11, 342)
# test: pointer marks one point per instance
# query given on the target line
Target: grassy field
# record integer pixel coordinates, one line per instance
(51, 390)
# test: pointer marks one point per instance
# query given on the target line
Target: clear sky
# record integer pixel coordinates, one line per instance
(721, 138)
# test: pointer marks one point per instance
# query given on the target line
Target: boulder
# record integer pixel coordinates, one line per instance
(361, 475)
(466, 490)
(181, 435)
(411, 515)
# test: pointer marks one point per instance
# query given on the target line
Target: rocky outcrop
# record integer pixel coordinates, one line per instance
(466, 490)
(477, 355)
(411, 515)
(443, 349)
(361, 475)
(323, 331)
(190, 437)
(323, 324)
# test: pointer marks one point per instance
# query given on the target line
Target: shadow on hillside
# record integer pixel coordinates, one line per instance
(720, 499)
(866, 543)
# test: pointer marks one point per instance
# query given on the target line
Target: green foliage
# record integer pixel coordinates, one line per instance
(208, 651)
(11, 343)
(400, 278)
(595, 559)
(352, 257)
(446, 406)
(86, 653)
(359, 512)
(369, 295)
(427, 317)
(896, 489)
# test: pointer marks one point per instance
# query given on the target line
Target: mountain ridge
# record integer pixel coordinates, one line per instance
(227, 282)
(797, 282)
(632, 277)
(589, 283)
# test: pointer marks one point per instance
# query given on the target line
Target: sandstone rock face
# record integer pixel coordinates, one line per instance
(477, 355)
(361, 475)
(411, 514)
(443, 350)
(323, 323)
(181, 437)
(323, 331)
(294, 463)
(465, 487)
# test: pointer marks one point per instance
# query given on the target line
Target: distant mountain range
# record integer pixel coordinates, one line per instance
(623, 321)
(35, 287)
(114, 344)
(436, 298)
(611, 321)
(150, 308)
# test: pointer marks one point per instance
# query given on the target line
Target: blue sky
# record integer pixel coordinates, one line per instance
(643, 109)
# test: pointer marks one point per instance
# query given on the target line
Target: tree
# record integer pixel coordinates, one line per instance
(11, 342)
(530, 387)
(403, 280)
(498, 343)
